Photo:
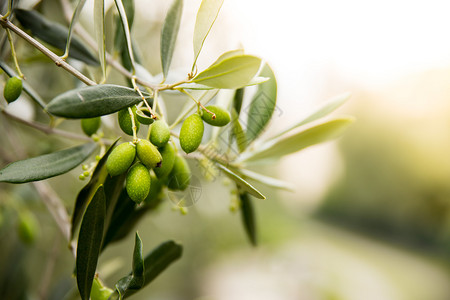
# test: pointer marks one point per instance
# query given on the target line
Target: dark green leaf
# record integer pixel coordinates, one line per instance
(89, 243)
(169, 34)
(99, 24)
(262, 105)
(26, 87)
(138, 263)
(237, 100)
(93, 101)
(244, 185)
(286, 145)
(98, 177)
(248, 217)
(54, 34)
(46, 166)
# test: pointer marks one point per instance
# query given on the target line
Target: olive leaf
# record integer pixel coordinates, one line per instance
(248, 217)
(228, 54)
(46, 166)
(244, 185)
(286, 145)
(73, 21)
(99, 24)
(267, 180)
(206, 16)
(126, 31)
(154, 263)
(89, 242)
(230, 73)
(169, 34)
(119, 37)
(54, 34)
(262, 105)
(238, 132)
(93, 101)
(237, 100)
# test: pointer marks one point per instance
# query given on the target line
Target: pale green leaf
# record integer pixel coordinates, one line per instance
(99, 24)
(267, 180)
(231, 73)
(241, 182)
(296, 142)
(126, 31)
(169, 34)
(229, 54)
(206, 16)
(73, 22)
(195, 86)
(46, 166)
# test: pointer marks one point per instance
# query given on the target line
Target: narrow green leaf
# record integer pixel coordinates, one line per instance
(169, 34)
(268, 181)
(89, 243)
(296, 142)
(73, 21)
(237, 100)
(241, 182)
(26, 87)
(119, 38)
(98, 177)
(93, 101)
(54, 34)
(262, 105)
(230, 73)
(248, 217)
(46, 166)
(325, 109)
(228, 54)
(126, 31)
(206, 16)
(238, 132)
(138, 264)
(195, 86)
(99, 24)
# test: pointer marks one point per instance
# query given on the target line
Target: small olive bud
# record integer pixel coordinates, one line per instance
(13, 89)
(120, 159)
(148, 154)
(28, 228)
(138, 183)
(222, 116)
(191, 133)
(91, 125)
(180, 177)
(125, 122)
(168, 159)
(160, 133)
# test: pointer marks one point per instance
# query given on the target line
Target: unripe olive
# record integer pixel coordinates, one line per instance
(91, 125)
(28, 228)
(180, 177)
(160, 133)
(125, 122)
(168, 159)
(13, 89)
(120, 159)
(191, 133)
(148, 154)
(154, 196)
(222, 116)
(138, 183)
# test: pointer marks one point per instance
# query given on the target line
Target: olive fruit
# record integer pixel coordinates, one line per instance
(160, 133)
(168, 159)
(27, 228)
(191, 133)
(148, 154)
(180, 176)
(125, 122)
(91, 125)
(154, 196)
(222, 116)
(120, 159)
(138, 183)
(13, 89)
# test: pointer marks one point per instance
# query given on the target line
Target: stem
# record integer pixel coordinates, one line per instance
(13, 53)
(198, 103)
(55, 58)
(9, 9)
(133, 81)
(133, 125)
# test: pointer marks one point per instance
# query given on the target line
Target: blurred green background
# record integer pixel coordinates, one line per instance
(369, 217)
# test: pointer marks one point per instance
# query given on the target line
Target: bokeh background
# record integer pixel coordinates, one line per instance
(369, 217)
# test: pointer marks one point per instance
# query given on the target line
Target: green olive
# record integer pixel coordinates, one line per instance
(148, 154)
(28, 228)
(180, 177)
(160, 133)
(120, 159)
(13, 89)
(168, 159)
(138, 183)
(222, 116)
(191, 133)
(91, 125)
(125, 122)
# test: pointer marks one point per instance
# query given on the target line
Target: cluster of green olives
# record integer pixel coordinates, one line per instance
(13, 89)
(191, 132)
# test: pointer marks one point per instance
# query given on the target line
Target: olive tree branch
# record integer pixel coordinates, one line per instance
(5, 23)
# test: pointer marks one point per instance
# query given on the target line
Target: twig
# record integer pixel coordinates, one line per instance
(55, 58)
